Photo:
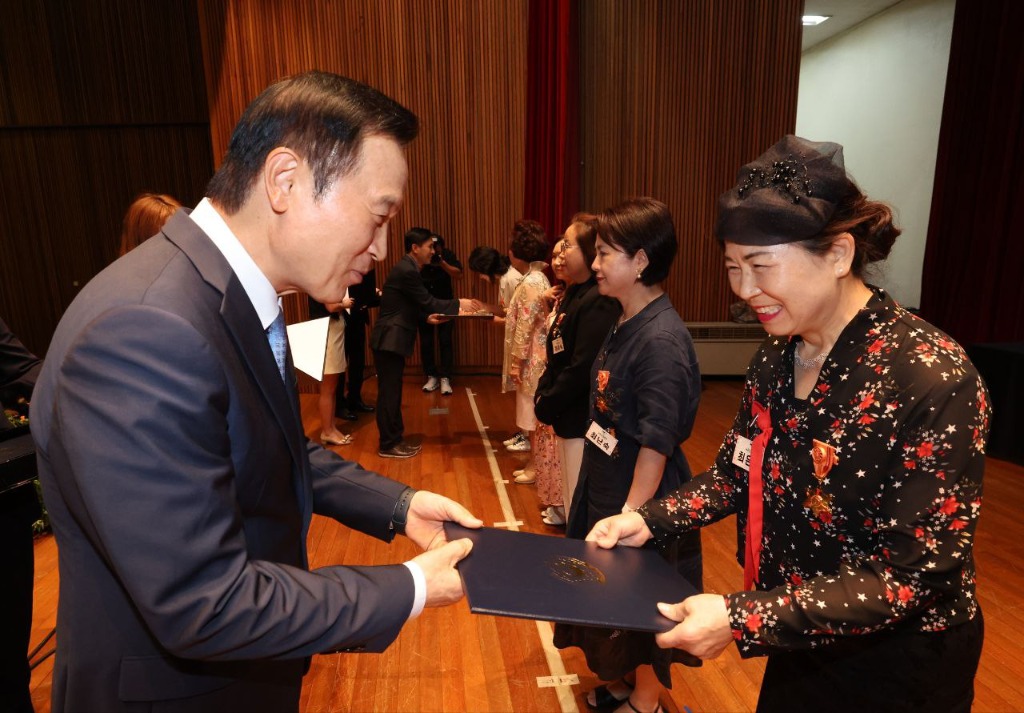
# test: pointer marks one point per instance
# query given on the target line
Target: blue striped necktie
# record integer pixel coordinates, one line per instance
(278, 336)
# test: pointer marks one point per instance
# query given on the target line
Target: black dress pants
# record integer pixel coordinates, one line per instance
(355, 354)
(905, 671)
(390, 367)
(444, 340)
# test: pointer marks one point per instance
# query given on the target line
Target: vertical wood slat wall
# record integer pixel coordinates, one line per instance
(676, 96)
(459, 65)
(92, 112)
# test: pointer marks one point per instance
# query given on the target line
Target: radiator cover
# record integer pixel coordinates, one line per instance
(725, 348)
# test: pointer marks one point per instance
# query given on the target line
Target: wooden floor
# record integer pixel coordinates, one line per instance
(451, 660)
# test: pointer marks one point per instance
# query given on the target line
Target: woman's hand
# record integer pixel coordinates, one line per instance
(552, 294)
(703, 628)
(628, 529)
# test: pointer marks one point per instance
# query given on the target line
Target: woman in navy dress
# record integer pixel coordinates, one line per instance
(645, 387)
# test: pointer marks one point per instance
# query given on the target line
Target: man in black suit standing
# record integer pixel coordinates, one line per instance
(19, 508)
(364, 295)
(175, 469)
(405, 304)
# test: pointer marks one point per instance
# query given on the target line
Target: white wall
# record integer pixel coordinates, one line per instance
(877, 89)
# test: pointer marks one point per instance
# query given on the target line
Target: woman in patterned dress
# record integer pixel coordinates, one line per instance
(854, 465)
(547, 461)
(645, 387)
(525, 334)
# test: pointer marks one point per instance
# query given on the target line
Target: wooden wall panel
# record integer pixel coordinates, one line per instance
(63, 194)
(99, 101)
(675, 97)
(459, 65)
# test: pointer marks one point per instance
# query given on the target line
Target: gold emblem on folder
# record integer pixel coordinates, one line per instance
(575, 570)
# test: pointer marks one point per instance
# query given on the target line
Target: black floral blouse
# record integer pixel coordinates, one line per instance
(876, 529)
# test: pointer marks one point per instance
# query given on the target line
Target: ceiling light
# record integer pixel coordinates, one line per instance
(811, 20)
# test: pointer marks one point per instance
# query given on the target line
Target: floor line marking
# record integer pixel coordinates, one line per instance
(499, 483)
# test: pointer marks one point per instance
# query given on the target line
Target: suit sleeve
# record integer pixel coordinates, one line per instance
(345, 491)
(19, 368)
(411, 284)
(146, 441)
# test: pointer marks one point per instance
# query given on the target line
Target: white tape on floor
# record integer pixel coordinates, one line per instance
(559, 680)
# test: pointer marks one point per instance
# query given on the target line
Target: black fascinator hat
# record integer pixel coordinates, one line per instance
(786, 194)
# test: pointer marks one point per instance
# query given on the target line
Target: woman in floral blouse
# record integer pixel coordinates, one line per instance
(525, 332)
(854, 465)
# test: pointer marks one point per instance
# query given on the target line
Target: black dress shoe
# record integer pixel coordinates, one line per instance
(365, 408)
(400, 450)
(345, 413)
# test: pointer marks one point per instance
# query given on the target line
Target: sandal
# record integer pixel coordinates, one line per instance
(603, 698)
(343, 441)
(657, 708)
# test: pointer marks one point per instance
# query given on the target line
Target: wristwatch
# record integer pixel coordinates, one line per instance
(401, 512)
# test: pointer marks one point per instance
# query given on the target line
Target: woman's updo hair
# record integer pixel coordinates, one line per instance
(869, 222)
(642, 224)
(529, 242)
(798, 191)
(586, 236)
(488, 261)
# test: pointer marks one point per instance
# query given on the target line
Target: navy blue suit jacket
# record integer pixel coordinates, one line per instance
(404, 305)
(181, 486)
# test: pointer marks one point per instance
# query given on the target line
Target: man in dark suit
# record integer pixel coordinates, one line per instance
(404, 304)
(19, 509)
(178, 479)
(365, 296)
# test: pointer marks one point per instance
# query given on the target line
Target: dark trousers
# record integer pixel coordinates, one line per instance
(355, 353)
(390, 367)
(18, 510)
(444, 341)
(905, 671)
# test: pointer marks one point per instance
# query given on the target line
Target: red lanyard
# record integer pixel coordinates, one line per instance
(755, 503)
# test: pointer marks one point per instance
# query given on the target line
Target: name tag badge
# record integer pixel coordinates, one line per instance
(601, 438)
(741, 456)
(557, 347)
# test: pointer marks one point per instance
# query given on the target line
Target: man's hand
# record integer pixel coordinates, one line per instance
(427, 514)
(444, 586)
(467, 305)
(628, 529)
(703, 627)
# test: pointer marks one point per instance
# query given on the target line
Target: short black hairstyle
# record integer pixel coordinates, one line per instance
(529, 243)
(417, 236)
(488, 261)
(642, 224)
(323, 117)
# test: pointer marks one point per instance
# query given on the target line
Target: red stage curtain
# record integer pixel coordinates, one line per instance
(552, 175)
(973, 281)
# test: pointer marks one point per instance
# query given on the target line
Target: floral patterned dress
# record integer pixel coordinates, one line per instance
(525, 335)
(870, 489)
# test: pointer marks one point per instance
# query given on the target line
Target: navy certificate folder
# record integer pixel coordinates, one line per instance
(529, 576)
